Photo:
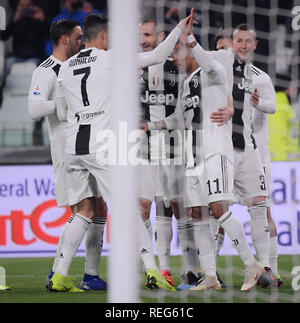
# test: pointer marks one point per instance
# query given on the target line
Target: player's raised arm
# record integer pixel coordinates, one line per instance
(164, 49)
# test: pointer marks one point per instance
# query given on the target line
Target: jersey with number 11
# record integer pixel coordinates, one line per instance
(85, 80)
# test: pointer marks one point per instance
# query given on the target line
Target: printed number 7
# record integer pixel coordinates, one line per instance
(86, 71)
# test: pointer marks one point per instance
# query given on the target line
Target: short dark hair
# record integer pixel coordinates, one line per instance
(246, 27)
(224, 34)
(60, 28)
(93, 24)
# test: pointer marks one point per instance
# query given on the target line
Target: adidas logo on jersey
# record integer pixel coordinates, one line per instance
(189, 102)
(239, 69)
(246, 85)
(165, 99)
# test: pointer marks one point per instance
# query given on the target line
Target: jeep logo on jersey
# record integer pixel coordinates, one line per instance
(191, 102)
(246, 85)
(165, 99)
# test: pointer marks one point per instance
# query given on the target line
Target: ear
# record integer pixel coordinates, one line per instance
(256, 42)
(102, 34)
(161, 37)
(64, 39)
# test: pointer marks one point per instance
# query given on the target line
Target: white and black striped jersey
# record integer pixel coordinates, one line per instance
(42, 89)
(159, 93)
(85, 80)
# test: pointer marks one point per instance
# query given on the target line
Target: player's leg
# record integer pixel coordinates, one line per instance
(163, 237)
(73, 237)
(174, 187)
(196, 199)
(185, 227)
(147, 177)
(205, 245)
(220, 186)
(273, 247)
(93, 248)
(78, 179)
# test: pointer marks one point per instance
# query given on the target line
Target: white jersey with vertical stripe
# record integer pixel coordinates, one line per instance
(42, 88)
(86, 82)
(247, 77)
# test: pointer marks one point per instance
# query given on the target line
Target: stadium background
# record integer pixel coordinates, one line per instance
(30, 223)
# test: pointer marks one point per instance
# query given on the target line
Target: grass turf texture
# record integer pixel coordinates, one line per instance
(27, 276)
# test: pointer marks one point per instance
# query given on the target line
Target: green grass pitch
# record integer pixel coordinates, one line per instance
(27, 276)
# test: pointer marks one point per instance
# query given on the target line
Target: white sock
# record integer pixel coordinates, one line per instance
(93, 246)
(234, 228)
(219, 239)
(205, 245)
(73, 237)
(148, 225)
(145, 244)
(188, 245)
(60, 243)
(274, 254)
(214, 225)
(260, 232)
(163, 237)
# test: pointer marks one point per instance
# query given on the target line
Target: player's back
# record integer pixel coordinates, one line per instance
(85, 79)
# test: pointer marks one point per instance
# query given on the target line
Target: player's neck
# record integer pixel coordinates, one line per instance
(60, 54)
(193, 67)
(95, 44)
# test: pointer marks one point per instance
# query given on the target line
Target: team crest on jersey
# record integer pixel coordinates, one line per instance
(155, 80)
(195, 81)
(172, 79)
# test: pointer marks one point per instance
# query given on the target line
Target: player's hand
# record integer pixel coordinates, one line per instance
(188, 22)
(191, 23)
(222, 116)
(144, 126)
(254, 100)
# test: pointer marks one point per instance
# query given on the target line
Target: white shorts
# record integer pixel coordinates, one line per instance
(172, 181)
(149, 184)
(86, 177)
(249, 177)
(211, 181)
(60, 185)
